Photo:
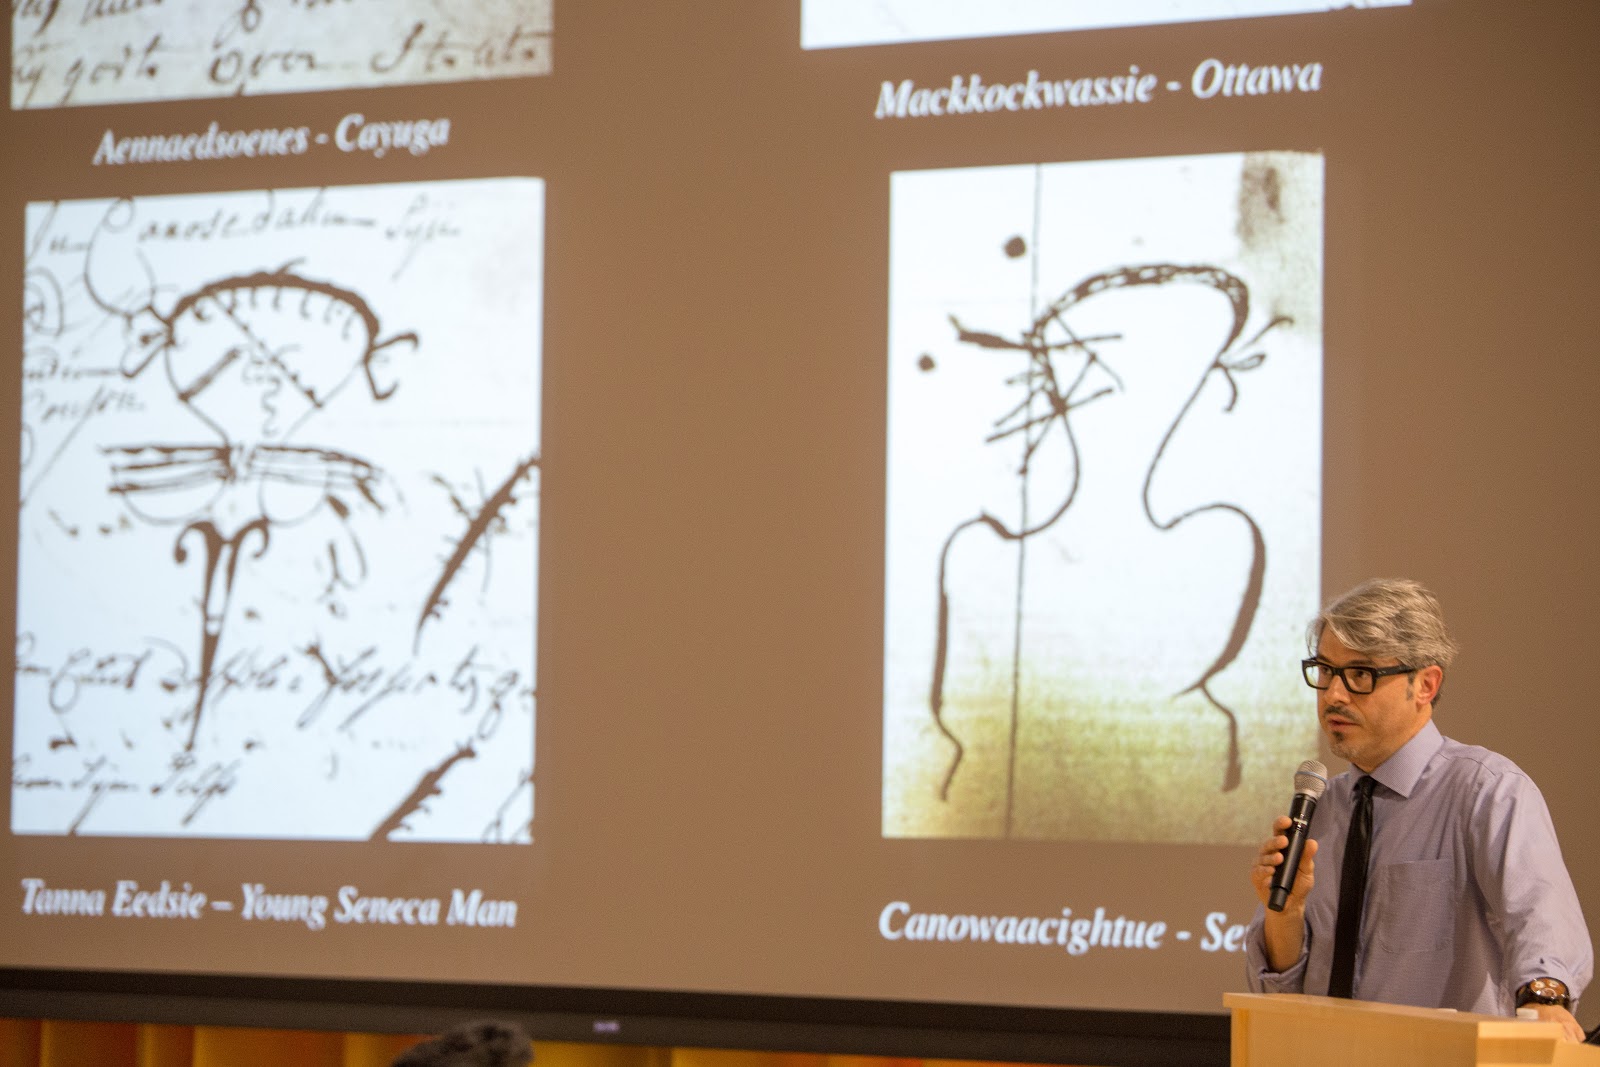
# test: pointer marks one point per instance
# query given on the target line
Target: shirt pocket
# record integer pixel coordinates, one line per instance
(1412, 906)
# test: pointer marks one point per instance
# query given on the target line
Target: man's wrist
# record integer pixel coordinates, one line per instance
(1283, 937)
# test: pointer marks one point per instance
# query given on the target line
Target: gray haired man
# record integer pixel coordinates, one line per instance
(1433, 876)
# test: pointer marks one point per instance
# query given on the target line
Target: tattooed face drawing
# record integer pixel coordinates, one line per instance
(233, 377)
(257, 355)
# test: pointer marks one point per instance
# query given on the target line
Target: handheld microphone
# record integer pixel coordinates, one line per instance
(1309, 782)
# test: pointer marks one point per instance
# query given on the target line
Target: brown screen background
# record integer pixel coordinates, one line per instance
(712, 512)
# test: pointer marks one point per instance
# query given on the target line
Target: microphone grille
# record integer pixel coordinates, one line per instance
(1311, 779)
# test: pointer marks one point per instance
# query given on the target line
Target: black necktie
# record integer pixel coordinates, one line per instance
(1352, 888)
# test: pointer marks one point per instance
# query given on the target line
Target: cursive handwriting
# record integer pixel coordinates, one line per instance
(482, 689)
(197, 783)
(82, 669)
(123, 50)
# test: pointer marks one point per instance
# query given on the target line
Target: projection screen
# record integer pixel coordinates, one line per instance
(786, 525)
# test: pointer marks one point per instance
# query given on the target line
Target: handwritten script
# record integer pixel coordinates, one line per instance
(71, 52)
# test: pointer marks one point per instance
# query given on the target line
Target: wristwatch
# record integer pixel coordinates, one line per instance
(1544, 991)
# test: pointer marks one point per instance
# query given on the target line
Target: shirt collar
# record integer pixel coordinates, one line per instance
(1400, 771)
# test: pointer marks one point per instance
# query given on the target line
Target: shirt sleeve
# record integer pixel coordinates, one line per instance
(1259, 973)
(1532, 905)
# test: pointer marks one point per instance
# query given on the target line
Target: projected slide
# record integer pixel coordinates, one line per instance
(1104, 491)
(277, 534)
(840, 23)
(67, 52)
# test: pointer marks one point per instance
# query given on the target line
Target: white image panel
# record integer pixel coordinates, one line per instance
(278, 526)
(98, 52)
(1104, 484)
(843, 23)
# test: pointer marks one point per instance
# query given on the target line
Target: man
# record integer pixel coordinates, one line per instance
(1467, 903)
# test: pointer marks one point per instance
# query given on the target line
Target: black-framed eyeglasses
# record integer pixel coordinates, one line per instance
(1357, 680)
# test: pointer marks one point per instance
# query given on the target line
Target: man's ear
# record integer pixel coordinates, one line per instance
(1429, 679)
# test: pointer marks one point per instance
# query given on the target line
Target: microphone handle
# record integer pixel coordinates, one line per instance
(1301, 808)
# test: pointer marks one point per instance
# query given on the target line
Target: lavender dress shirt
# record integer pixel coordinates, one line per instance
(1467, 894)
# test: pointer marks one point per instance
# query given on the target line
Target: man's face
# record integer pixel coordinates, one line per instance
(1367, 729)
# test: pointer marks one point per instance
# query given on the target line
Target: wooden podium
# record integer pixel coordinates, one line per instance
(1295, 1030)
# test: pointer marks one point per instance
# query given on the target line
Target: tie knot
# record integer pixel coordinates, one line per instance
(1365, 784)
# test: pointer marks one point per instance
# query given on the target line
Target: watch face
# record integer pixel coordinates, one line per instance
(1548, 990)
